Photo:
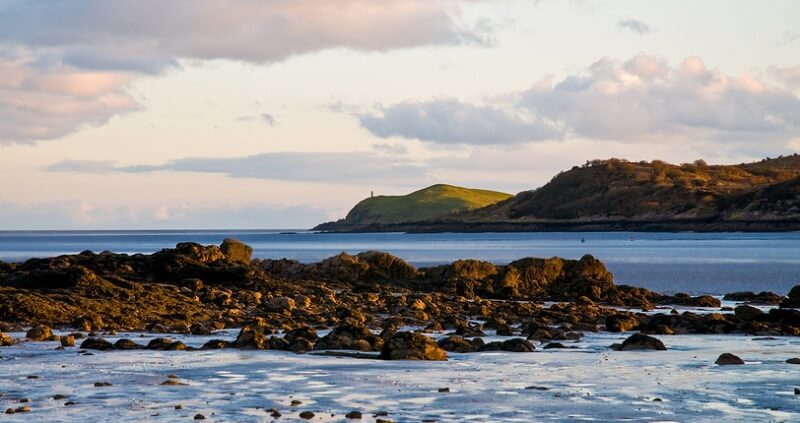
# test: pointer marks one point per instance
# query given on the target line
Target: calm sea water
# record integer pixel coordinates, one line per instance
(666, 262)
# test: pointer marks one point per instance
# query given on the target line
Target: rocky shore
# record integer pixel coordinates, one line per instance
(364, 302)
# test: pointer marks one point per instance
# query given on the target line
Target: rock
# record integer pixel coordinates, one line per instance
(746, 312)
(795, 360)
(22, 409)
(443, 390)
(102, 384)
(67, 341)
(127, 344)
(165, 344)
(307, 415)
(216, 344)
(762, 298)
(641, 341)
(621, 322)
(797, 391)
(236, 251)
(199, 417)
(552, 345)
(727, 359)
(39, 333)
(458, 344)
(280, 305)
(350, 337)
(252, 337)
(353, 415)
(793, 300)
(6, 340)
(411, 346)
(518, 345)
(96, 344)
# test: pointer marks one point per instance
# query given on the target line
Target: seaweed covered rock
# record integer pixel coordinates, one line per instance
(412, 346)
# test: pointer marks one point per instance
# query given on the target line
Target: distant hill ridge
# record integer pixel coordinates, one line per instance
(617, 194)
(434, 202)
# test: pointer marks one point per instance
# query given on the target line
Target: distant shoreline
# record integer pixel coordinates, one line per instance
(675, 226)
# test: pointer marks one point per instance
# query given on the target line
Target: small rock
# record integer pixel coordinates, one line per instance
(179, 407)
(68, 403)
(353, 415)
(101, 384)
(67, 341)
(444, 389)
(199, 417)
(275, 413)
(10, 411)
(795, 360)
(23, 409)
(171, 382)
(281, 304)
(295, 403)
(728, 359)
(307, 415)
(797, 391)
(39, 333)
(60, 397)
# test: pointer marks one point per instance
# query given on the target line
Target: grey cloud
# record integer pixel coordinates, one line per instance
(356, 167)
(634, 25)
(454, 122)
(645, 99)
(264, 117)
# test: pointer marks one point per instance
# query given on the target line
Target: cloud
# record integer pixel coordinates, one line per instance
(348, 168)
(643, 99)
(45, 103)
(646, 99)
(454, 122)
(264, 117)
(788, 37)
(634, 25)
(69, 62)
(789, 76)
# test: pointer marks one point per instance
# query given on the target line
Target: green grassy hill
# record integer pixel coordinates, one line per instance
(430, 203)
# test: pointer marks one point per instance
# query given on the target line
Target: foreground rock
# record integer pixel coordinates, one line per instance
(641, 341)
(412, 346)
(728, 359)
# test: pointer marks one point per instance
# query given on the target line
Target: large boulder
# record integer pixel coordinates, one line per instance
(641, 341)
(369, 266)
(412, 346)
(237, 251)
(746, 312)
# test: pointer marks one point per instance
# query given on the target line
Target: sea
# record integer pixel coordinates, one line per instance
(696, 263)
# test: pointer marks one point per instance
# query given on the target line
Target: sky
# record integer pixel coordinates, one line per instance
(285, 113)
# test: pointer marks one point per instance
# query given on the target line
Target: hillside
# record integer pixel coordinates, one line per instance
(618, 189)
(617, 194)
(434, 202)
